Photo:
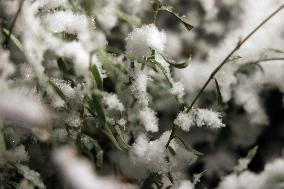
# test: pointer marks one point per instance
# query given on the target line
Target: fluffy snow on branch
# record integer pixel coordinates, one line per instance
(184, 120)
(141, 40)
(199, 117)
(149, 154)
(112, 102)
(152, 155)
(149, 119)
(65, 21)
(208, 118)
(65, 87)
(177, 89)
(139, 87)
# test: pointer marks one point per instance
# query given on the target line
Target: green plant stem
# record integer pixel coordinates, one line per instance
(2, 142)
(215, 71)
(7, 40)
(264, 60)
(155, 16)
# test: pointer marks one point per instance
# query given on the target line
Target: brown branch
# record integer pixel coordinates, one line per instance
(215, 71)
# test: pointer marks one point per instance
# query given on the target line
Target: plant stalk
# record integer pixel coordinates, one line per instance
(7, 40)
(215, 71)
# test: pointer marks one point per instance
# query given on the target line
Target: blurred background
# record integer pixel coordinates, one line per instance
(252, 85)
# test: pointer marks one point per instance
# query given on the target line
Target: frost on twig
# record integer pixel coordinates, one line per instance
(199, 117)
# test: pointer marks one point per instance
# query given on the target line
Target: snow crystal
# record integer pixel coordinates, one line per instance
(112, 102)
(141, 40)
(65, 87)
(78, 54)
(208, 118)
(178, 89)
(139, 87)
(67, 21)
(199, 117)
(151, 154)
(149, 119)
(184, 120)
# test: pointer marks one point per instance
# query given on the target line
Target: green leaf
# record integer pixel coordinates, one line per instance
(152, 60)
(164, 72)
(114, 50)
(96, 107)
(171, 150)
(156, 5)
(2, 142)
(197, 177)
(151, 180)
(65, 65)
(14, 39)
(234, 58)
(87, 141)
(106, 60)
(88, 6)
(276, 50)
(259, 67)
(131, 19)
(189, 148)
(97, 76)
(83, 146)
(244, 162)
(220, 98)
(169, 187)
(181, 65)
(246, 68)
(30, 175)
(68, 37)
(120, 135)
(99, 153)
(110, 135)
(179, 18)
(12, 184)
(252, 153)
(58, 90)
(169, 175)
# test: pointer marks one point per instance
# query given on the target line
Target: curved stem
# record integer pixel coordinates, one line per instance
(7, 40)
(155, 16)
(215, 71)
(265, 60)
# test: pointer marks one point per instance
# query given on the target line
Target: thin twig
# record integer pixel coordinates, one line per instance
(155, 16)
(215, 71)
(7, 40)
(264, 60)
